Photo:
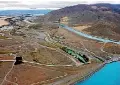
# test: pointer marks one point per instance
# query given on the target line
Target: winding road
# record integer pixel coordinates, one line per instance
(5, 78)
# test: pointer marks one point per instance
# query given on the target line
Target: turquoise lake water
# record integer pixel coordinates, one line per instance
(108, 75)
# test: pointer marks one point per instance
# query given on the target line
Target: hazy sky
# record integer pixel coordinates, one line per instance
(20, 4)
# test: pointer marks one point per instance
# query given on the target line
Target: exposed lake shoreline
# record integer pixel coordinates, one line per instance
(90, 73)
(97, 69)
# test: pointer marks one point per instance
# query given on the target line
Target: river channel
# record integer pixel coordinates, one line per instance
(89, 36)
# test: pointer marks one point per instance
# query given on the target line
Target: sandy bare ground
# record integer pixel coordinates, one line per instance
(3, 22)
(26, 74)
(29, 74)
(4, 68)
(81, 28)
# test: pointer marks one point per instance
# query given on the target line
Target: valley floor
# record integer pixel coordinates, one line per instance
(44, 62)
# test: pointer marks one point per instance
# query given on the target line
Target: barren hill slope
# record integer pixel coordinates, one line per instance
(102, 18)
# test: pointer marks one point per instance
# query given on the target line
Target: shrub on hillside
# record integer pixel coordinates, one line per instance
(35, 26)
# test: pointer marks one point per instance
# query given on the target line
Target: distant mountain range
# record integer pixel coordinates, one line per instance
(104, 19)
(83, 13)
(25, 11)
